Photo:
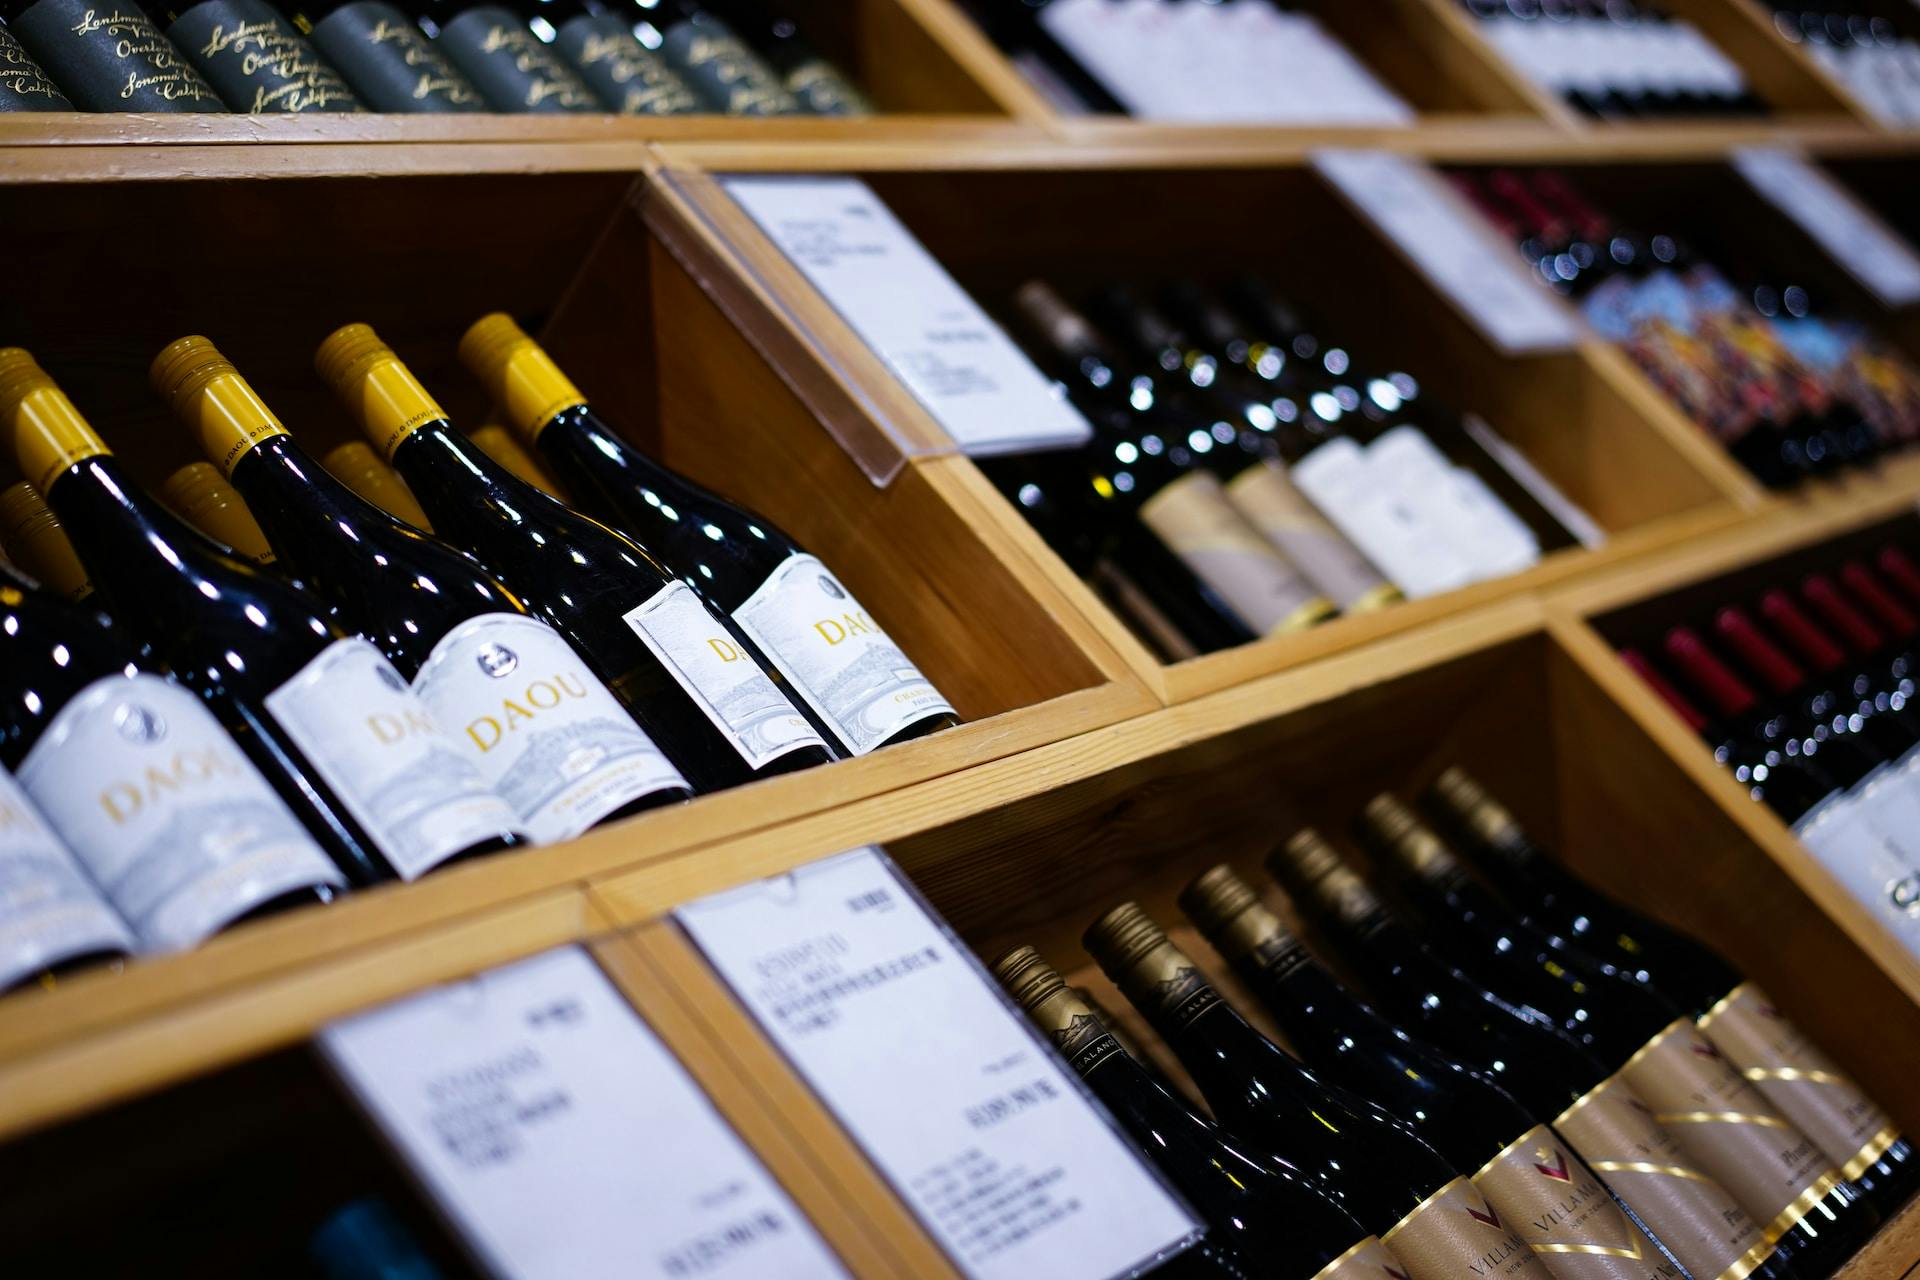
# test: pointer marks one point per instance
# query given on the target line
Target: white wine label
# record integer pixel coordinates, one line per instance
(1873, 253)
(1480, 527)
(173, 823)
(1415, 556)
(978, 1125)
(899, 299)
(382, 751)
(722, 678)
(537, 1084)
(836, 656)
(49, 910)
(557, 747)
(1882, 877)
(1194, 517)
(1456, 251)
(1265, 495)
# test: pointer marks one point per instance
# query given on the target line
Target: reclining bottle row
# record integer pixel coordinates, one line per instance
(630, 57)
(357, 699)
(1658, 1113)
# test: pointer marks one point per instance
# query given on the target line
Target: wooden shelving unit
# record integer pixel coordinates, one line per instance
(1088, 769)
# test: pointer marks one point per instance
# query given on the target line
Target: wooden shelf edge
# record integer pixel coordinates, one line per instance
(1892, 1254)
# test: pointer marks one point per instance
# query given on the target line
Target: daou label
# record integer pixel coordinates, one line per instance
(544, 732)
(173, 823)
(49, 910)
(562, 1139)
(967, 1113)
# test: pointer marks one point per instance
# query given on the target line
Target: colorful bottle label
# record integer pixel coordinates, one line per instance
(1774, 1171)
(630, 78)
(1454, 1234)
(1193, 516)
(1563, 1211)
(173, 823)
(551, 740)
(720, 676)
(49, 910)
(110, 57)
(1266, 496)
(836, 656)
(23, 85)
(1693, 1215)
(1809, 1088)
(389, 61)
(510, 66)
(382, 751)
(256, 60)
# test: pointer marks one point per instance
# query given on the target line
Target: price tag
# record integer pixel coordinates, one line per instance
(904, 305)
(1871, 252)
(966, 1112)
(561, 1137)
(1457, 252)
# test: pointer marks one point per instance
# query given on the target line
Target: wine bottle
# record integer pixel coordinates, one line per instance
(728, 76)
(384, 56)
(1594, 1108)
(1776, 1173)
(1900, 569)
(168, 817)
(1891, 654)
(24, 86)
(1738, 1017)
(597, 40)
(108, 57)
(366, 1239)
(1390, 1181)
(53, 919)
(1056, 74)
(427, 788)
(717, 716)
(1154, 467)
(311, 703)
(252, 56)
(820, 87)
(505, 448)
(1531, 1177)
(355, 464)
(496, 50)
(1277, 1223)
(1871, 690)
(788, 611)
(31, 534)
(201, 496)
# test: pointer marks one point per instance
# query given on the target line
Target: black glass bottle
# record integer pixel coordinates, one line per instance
(384, 55)
(108, 57)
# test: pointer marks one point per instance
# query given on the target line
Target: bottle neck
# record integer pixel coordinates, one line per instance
(124, 537)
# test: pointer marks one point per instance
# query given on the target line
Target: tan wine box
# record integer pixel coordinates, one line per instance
(268, 267)
(1584, 417)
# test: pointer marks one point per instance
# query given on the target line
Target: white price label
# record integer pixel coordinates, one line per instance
(1458, 253)
(914, 316)
(946, 1088)
(561, 1137)
(1871, 252)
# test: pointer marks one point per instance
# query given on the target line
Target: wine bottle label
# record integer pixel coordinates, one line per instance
(50, 436)
(822, 91)
(1693, 1215)
(1194, 518)
(23, 85)
(110, 57)
(1808, 1087)
(1454, 1234)
(557, 747)
(389, 61)
(1391, 532)
(510, 66)
(256, 60)
(726, 74)
(173, 823)
(1368, 1260)
(1478, 525)
(49, 910)
(1085, 1044)
(1267, 497)
(629, 77)
(1564, 1213)
(379, 747)
(720, 676)
(836, 656)
(1774, 1171)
